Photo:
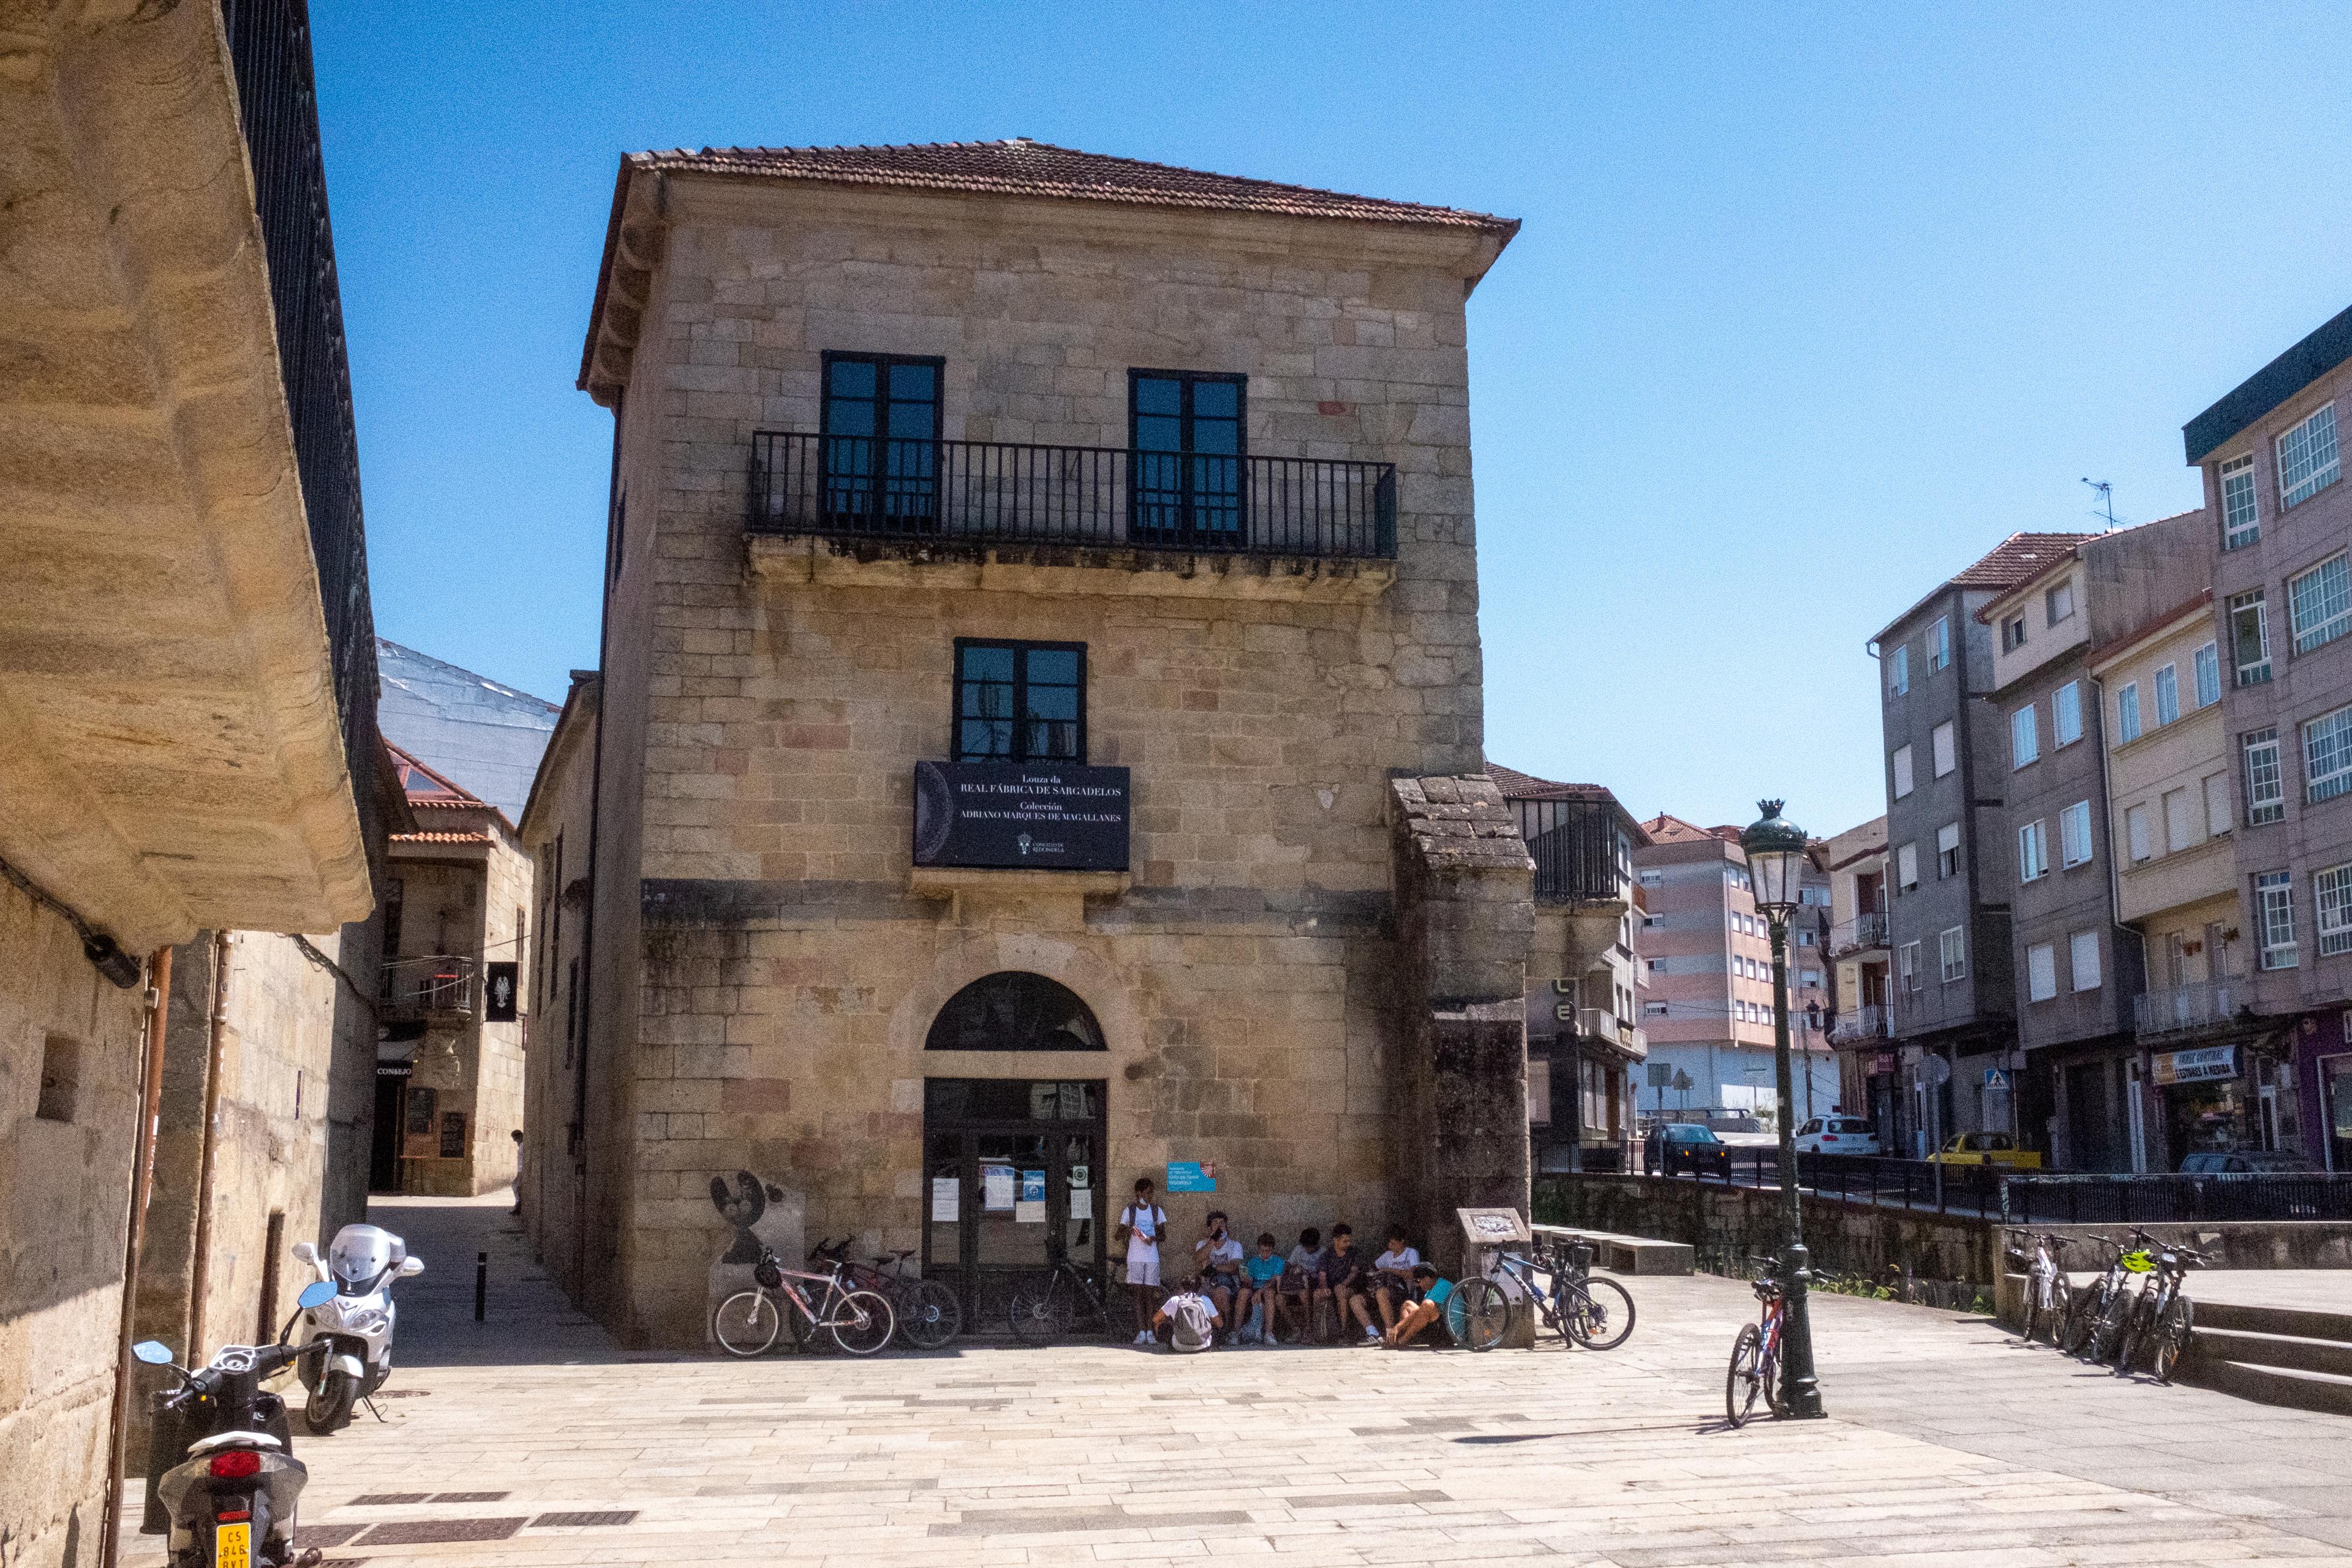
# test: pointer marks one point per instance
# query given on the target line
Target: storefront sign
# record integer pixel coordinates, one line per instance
(1191, 1176)
(1883, 1062)
(1021, 816)
(2201, 1065)
(499, 992)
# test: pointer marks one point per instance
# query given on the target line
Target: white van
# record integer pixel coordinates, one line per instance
(1837, 1135)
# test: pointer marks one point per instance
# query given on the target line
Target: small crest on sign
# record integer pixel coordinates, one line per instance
(1492, 1227)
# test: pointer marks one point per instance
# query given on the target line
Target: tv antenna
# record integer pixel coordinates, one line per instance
(2107, 499)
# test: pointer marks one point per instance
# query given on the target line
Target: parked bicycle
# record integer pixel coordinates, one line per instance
(1045, 1311)
(2091, 1306)
(2047, 1294)
(2111, 1330)
(1756, 1355)
(1595, 1313)
(928, 1314)
(747, 1322)
(2157, 1334)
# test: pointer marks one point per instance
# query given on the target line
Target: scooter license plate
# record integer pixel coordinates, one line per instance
(232, 1546)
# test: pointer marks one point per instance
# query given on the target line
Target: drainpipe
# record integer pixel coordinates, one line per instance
(143, 1178)
(579, 1128)
(216, 1046)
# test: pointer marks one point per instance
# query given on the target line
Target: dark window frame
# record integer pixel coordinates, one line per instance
(882, 363)
(1019, 648)
(1188, 379)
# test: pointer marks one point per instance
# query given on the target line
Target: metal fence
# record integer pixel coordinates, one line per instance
(983, 492)
(1574, 846)
(437, 983)
(2179, 1009)
(2040, 1197)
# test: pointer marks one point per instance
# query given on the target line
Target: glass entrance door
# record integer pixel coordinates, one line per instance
(1013, 1173)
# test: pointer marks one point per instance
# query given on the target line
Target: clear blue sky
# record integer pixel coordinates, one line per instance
(1813, 304)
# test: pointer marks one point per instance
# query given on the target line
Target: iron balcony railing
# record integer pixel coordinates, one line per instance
(2185, 1009)
(1862, 931)
(435, 983)
(993, 492)
(270, 50)
(1574, 843)
(1866, 1022)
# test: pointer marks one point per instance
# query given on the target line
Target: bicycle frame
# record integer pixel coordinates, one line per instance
(834, 1292)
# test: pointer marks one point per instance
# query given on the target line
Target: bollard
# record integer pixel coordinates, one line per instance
(481, 1283)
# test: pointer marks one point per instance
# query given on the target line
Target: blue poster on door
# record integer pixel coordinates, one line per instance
(1033, 1187)
(1191, 1176)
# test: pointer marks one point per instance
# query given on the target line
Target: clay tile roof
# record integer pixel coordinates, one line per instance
(440, 838)
(1020, 167)
(1517, 785)
(2020, 558)
(1665, 828)
(426, 787)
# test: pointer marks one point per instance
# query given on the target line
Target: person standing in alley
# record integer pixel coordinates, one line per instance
(1141, 1225)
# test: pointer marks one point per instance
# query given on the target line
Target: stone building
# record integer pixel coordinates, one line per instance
(1705, 980)
(2282, 523)
(1038, 740)
(1947, 770)
(2068, 1089)
(190, 770)
(1584, 1039)
(457, 997)
(1861, 1011)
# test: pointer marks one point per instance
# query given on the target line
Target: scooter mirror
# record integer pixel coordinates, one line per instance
(305, 1253)
(317, 1293)
(410, 1268)
(154, 1353)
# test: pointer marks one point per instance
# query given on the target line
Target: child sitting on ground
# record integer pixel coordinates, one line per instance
(1419, 1314)
(1187, 1322)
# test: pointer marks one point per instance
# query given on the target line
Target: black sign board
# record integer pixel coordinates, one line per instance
(498, 990)
(1051, 816)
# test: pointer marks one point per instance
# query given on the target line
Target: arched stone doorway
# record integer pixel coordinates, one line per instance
(1013, 1166)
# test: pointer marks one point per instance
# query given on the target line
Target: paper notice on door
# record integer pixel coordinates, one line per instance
(947, 1201)
(996, 1188)
(1029, 1211)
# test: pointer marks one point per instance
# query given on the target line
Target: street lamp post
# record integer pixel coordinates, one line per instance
(1776, 858)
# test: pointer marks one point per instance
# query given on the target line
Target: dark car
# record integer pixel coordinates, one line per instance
(2249, 1161)
(1675, 1147)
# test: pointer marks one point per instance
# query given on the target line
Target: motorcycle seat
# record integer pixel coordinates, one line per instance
(203, 1446)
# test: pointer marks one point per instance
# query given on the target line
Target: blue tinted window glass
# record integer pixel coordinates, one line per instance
(1159, 394)
(917, 382)
(852, 378)
(1216, 399)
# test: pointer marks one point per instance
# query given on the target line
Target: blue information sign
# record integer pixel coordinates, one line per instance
(1191, 1176)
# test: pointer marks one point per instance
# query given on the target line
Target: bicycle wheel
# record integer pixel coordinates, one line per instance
(2082, 1314)
(1600, 1315)
(2107, 1333)
(1040, 1312)
(2171, 1338)
(861, 1322)
(2062, 1302)
(2032, 1320)
(1745, 1380)
(746, 1323)
(1477, 1314)
(2129, 1332)
(928, 1315)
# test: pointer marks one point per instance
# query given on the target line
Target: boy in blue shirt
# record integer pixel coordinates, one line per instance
(1263, 1272)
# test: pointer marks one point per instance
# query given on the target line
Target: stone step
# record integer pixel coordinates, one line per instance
(2301, 1322)
(2292, 1352)
(2325, 1391)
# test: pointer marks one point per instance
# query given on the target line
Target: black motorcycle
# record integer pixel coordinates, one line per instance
(221, 1471)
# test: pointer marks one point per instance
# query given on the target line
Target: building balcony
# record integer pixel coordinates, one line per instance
(1858, 934)
(977, 501)
(1574, 843)
(2183, 1011)
(432, 984)
(1866, 1025)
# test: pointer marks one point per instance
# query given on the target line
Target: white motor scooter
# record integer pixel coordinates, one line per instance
(346, 1342)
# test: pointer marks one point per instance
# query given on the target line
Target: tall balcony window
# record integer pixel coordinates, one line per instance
(1185, 430)
(881, 433)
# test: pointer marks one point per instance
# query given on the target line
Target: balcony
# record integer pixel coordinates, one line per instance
(985, 493)
(1575, 848)
(2184, 1010)
(1854, 935)
(1866, 1025)
(433, 983)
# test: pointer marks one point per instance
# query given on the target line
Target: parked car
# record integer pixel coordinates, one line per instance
(1742, 1132)
(1837, 1135)
(1675, 1147)
(1986, 1149)
(2236, 1161)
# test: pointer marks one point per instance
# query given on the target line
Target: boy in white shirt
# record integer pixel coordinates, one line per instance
(1140, 1226)
(1219, 1257)
(1188, 1318)
(1392, 1276)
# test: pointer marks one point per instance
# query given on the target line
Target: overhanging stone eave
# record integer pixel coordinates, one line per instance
(170, 633)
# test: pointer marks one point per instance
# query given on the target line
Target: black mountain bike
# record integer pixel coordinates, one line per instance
(1595, 1313)
(1046, 1310)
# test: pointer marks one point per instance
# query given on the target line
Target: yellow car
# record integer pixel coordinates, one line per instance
(1986, 1149)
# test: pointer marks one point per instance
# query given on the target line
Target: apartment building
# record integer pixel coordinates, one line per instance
(1861, 1006)
(1948, 914)
(1039, 739)
(2078, 973)
(2282, 523)
(1707, 980)
(1585, 1042)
